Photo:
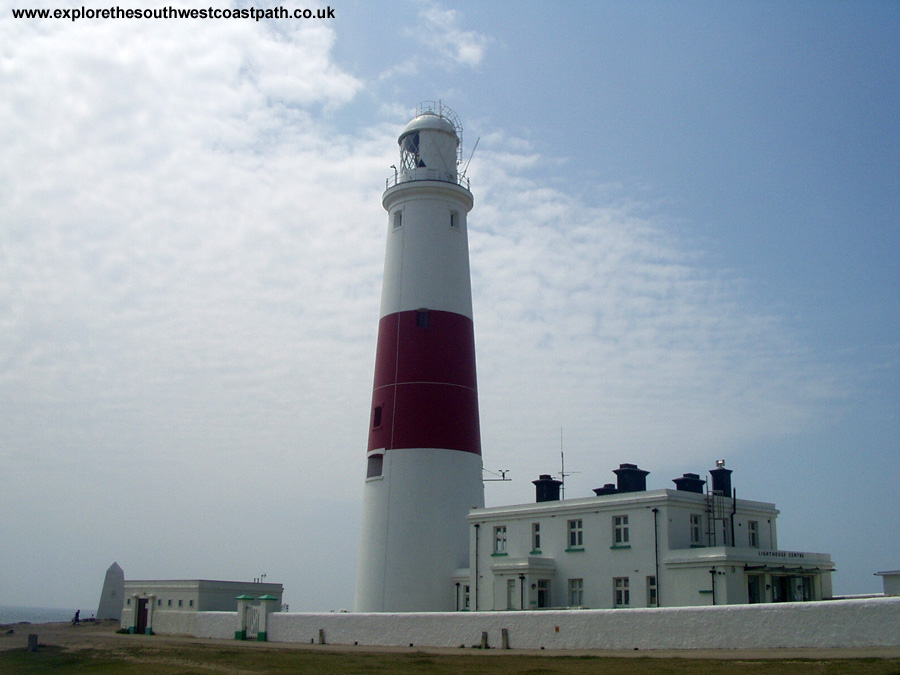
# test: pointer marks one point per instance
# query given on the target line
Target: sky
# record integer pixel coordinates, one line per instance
(684, 248)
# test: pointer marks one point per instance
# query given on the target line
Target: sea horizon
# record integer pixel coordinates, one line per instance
(11, 614)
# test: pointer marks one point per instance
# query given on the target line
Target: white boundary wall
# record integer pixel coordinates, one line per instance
(871, 622)
(217, 624)
(171, 623)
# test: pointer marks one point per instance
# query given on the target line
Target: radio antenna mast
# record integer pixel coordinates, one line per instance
(562, 469)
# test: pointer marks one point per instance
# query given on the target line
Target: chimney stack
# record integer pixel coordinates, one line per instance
(689, 482)
(721, 479)
(631, 478)
(547, 488)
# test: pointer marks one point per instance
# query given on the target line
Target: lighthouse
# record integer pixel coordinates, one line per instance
(424, 452)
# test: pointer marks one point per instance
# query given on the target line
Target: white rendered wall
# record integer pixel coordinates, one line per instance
(427, 261)
(218, 625)
(168, 623)
(175, 623)
(414, 528)
(845, 623)
(683, 573)
(597, 562)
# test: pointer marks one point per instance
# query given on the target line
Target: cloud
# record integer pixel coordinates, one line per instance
(173, 210)
(189, 286)
(440, 30)
(610, 323)
(441, 43)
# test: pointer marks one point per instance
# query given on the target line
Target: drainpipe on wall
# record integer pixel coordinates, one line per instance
(656, 553)
(477, 527)
(733, 512)
(712, 576)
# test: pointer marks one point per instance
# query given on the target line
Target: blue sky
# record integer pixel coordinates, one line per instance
(684, 248)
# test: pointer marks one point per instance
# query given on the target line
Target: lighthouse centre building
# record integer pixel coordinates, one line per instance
(629, 547)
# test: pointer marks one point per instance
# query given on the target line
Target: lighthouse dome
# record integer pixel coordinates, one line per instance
(428, 120)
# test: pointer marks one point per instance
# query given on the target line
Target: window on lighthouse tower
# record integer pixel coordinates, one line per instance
(374, 466)
(376, 416)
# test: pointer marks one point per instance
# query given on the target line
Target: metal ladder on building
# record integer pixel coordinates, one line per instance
(716, 511)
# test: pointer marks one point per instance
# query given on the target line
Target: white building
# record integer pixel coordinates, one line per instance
(891, 580)
(167, 602)
(627, 547)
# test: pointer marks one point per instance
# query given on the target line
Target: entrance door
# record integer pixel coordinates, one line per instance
(809, 589)
(754, 588)
(510, 594)
(141, 625)
(781, 589)
(543, 593)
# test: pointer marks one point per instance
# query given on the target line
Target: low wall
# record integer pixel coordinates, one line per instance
(168, 622)
(847, 623)
(217, 624)
(175, 623)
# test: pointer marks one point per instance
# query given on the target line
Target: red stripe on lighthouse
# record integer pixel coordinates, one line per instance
(425, 383)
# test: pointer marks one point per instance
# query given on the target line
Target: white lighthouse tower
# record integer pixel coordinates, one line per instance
(424, 453)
